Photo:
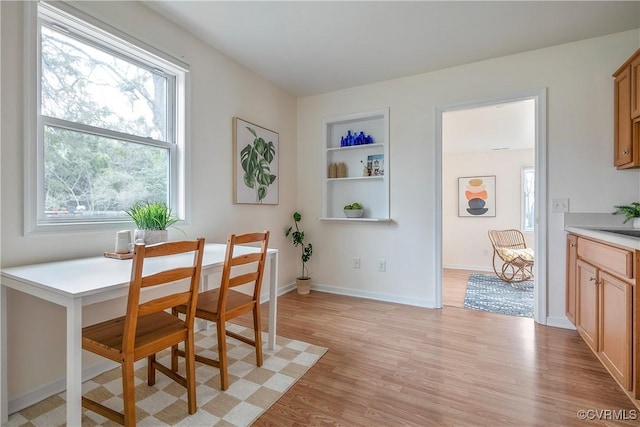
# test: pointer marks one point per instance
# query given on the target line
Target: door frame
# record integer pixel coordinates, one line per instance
(539, 95)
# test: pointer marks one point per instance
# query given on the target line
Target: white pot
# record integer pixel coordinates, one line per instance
(151, 237)
(353, 213)
(636, 222)
(303, 285)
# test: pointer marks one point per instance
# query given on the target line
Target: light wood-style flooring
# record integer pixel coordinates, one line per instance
(454, 286)
(399, 365)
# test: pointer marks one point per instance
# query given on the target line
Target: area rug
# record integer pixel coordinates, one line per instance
(252, 390)
(488, 293)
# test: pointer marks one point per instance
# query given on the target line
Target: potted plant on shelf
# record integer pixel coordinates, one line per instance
(354, 210)
(303, 282)
(631, 211)
(152, 220)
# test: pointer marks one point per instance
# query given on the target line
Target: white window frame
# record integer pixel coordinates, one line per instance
(72, 19)
(526, 169)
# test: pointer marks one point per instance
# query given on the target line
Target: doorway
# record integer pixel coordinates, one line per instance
(484, 143)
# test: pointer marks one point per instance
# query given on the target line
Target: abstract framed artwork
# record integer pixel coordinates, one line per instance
(255, 167)
(477, 196)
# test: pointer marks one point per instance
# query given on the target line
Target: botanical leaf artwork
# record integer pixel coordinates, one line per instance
(256, 162)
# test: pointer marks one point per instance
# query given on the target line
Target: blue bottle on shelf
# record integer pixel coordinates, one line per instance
(361, 138)
(349, 138)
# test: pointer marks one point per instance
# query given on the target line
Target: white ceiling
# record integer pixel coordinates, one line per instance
(311, 47)
(508, 126)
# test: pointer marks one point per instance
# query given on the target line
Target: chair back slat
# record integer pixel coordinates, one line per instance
(167, 276)
(243, 279)
(246, 259)
(253, 261)
(171, 297)
(163, 303)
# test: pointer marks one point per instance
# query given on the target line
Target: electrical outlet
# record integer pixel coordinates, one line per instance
(560, 205)
(382, 265)
(356, 263)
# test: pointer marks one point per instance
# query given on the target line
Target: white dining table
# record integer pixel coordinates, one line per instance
(76, 283)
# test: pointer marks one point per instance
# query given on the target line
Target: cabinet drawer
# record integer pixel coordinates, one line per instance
(615, 260)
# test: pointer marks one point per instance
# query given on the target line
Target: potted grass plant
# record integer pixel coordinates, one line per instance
(303, 283)
(631, 211)
(152, 220)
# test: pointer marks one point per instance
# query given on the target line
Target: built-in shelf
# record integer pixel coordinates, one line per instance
(353, 178)
(385, 220)
(355, 147)
(372, 192)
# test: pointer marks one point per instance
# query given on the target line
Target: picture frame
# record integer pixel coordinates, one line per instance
(375, 164)
(477, 196)
(255, 165)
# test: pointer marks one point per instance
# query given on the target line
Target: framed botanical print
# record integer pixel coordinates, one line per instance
(255, 167)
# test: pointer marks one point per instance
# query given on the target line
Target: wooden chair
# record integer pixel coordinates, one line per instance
(147, 328)
(224, 303)
(512, 259)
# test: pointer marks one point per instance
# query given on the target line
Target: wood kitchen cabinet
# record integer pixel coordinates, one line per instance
(615, 327)
(601, 280)
(588, 303)
(572, 259)
(626, 94)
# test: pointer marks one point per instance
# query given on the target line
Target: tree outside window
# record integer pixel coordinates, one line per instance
(528, 198)
(107, 125)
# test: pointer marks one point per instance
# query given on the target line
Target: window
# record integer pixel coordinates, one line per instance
(109, 123)
(528, 198)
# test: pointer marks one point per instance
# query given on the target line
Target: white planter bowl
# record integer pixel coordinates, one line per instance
(353, 213)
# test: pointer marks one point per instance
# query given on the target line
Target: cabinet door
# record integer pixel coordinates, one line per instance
(635, 88)
(615, 327)
(572, 259)
(623, 151)
(588, 303)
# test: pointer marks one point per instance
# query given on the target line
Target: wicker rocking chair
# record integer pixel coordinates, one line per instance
(512, 259)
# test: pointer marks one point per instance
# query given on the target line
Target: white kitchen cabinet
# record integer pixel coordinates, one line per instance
(372, 192)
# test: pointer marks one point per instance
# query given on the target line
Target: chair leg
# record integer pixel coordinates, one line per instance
(222, 354)
(151, 370)
(174, 349)
(128, 392)
(257, 330)
(190, 372)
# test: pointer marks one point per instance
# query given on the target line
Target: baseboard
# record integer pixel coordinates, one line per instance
(468, 267)
(560, 322)
(419, 302)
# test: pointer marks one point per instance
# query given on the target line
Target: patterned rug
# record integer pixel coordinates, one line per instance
(488, 293)
(251, 391)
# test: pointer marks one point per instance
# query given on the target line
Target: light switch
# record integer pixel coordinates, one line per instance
(560, 205)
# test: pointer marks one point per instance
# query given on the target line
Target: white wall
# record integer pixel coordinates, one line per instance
(464, 239)
(220, 90)
(580, 158)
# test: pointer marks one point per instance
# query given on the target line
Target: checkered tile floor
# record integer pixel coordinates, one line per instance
(251, 391)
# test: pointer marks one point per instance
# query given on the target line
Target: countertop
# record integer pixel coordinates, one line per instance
(597, 233)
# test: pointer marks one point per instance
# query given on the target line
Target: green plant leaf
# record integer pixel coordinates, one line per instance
(151, 215)
(252, 132)
(260, 145)
(262, 192)
(270, 152)
(249, 180)
(244, 157)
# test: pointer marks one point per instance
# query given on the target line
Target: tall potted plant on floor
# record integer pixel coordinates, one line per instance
(303, 282)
